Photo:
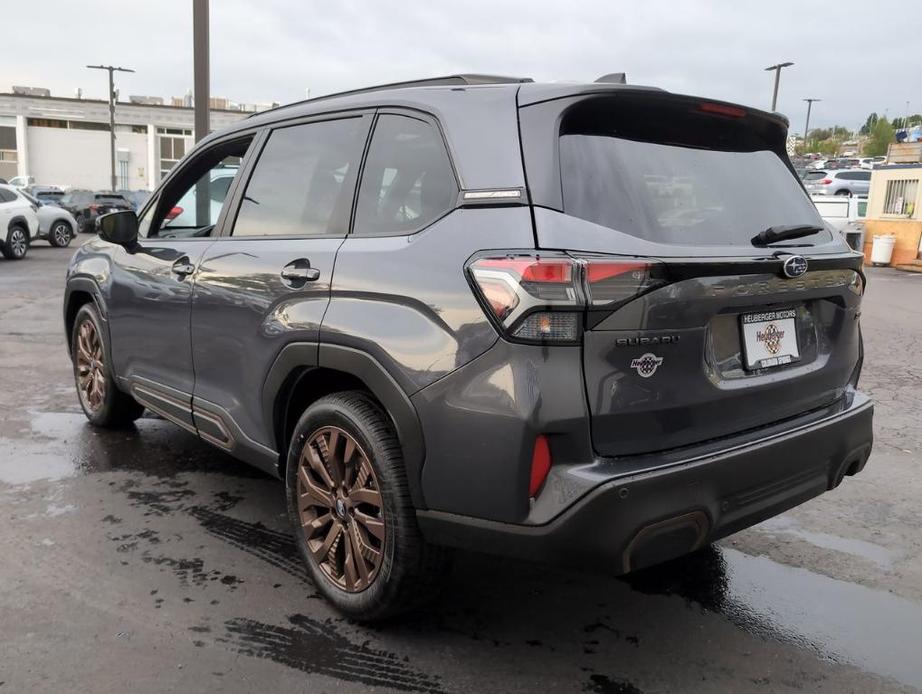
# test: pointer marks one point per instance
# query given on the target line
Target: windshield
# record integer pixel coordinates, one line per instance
(680, 195)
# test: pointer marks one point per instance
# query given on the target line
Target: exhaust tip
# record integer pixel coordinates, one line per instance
(666, 539)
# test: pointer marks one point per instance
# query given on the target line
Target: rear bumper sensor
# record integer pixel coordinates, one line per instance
(628, 522)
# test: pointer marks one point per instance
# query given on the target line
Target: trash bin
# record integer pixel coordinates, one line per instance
(882, 249)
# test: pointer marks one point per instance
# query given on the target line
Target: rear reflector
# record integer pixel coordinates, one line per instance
(540, 465)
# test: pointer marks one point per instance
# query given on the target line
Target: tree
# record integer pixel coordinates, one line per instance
(869, 124)
(900, 123)
(882, 134)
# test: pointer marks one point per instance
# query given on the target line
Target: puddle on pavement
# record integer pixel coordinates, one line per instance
(785, 525)
(844, 622)
(63, 445)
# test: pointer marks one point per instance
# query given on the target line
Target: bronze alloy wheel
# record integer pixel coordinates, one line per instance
(341, 509)
(91, 375)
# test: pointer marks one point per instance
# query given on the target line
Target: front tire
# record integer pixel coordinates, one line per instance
(349, 504)
(17, 243)
(102, 402)
(60, 234)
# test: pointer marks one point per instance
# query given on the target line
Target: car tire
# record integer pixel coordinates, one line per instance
(17, 242)
(102, 402)
(60, 233)
(81, 224)
(844, 192)
(363, 501)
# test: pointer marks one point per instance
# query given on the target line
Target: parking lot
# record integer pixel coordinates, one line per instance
(145, 560)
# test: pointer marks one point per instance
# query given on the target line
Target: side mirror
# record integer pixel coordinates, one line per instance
(118, 227)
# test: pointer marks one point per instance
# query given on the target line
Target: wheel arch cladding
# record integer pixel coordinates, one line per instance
(305, 372)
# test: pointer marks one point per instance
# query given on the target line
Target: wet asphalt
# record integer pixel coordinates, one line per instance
(147, 561)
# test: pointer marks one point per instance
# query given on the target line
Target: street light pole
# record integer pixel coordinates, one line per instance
(777, 69)
(111, 69)
(807, 126)
(200, 57)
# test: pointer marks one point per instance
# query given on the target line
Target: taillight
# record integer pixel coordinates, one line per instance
(543, 298)
(825, 181)
(173, 213)
(92, 207)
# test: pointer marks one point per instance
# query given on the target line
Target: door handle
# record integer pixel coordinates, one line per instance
(183, 267)
(300, 271)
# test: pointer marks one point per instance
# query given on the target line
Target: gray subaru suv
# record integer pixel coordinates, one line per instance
(541, 320)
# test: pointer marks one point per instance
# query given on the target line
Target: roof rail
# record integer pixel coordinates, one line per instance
(448, 80)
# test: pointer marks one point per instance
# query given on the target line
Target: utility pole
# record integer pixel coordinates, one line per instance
(201, 97)
(201, 100)
(777, 69)
(807, 125)
(111, 69)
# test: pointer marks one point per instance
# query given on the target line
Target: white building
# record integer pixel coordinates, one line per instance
(65, 141)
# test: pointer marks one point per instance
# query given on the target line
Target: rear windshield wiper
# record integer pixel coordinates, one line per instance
(783, 232)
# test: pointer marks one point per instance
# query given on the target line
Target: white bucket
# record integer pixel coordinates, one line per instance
(882, 249)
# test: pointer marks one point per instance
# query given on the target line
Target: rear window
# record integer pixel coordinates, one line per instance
(111, 198)
(814, 175)
(669, 174)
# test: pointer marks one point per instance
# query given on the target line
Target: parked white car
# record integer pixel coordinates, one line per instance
(18, 223)
(55, 224)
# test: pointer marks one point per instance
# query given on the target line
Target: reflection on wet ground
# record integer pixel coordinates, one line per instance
(63, 445)
(839, 621)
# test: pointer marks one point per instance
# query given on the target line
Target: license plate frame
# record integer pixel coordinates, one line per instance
(769, 339)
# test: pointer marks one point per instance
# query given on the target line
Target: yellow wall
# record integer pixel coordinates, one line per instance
(878, 191)
(908, 234)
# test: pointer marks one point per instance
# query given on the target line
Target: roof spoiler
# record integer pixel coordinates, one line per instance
(613, 78)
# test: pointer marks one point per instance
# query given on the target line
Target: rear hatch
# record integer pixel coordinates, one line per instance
(712, 333)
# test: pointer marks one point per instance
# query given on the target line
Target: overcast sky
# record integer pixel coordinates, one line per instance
(857, 57)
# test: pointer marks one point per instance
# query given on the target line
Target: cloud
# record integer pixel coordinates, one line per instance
(855, 58)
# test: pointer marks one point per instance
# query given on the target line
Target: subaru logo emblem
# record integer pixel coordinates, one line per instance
(794, 266)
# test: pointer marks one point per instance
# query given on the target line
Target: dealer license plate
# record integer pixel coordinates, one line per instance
(770, 338)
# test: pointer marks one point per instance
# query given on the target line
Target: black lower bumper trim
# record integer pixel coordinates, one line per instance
(634, 521)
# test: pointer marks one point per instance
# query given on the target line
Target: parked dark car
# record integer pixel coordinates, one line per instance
(137, 198)
(542, 320)
(87, 205)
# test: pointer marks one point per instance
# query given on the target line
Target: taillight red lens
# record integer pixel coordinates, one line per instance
(501, 297)
(174, 213)
(532, 269)
(825, 182)
(92, 207)
(540, 465)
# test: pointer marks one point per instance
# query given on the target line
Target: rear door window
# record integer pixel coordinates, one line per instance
(303, 183)
(676, 177)
(408, 181)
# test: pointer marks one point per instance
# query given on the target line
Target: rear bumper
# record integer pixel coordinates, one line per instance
(634, 520)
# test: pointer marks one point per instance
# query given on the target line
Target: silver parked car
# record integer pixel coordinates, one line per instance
(55, 224)
(838, 182)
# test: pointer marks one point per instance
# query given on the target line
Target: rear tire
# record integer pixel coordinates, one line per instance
(844, 192)
(60, 234)
(354, 505)
(102, 402)
(16, 245)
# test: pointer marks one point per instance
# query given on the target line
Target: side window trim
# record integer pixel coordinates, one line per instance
(229, 214)
(156, 199)
(431, 120)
